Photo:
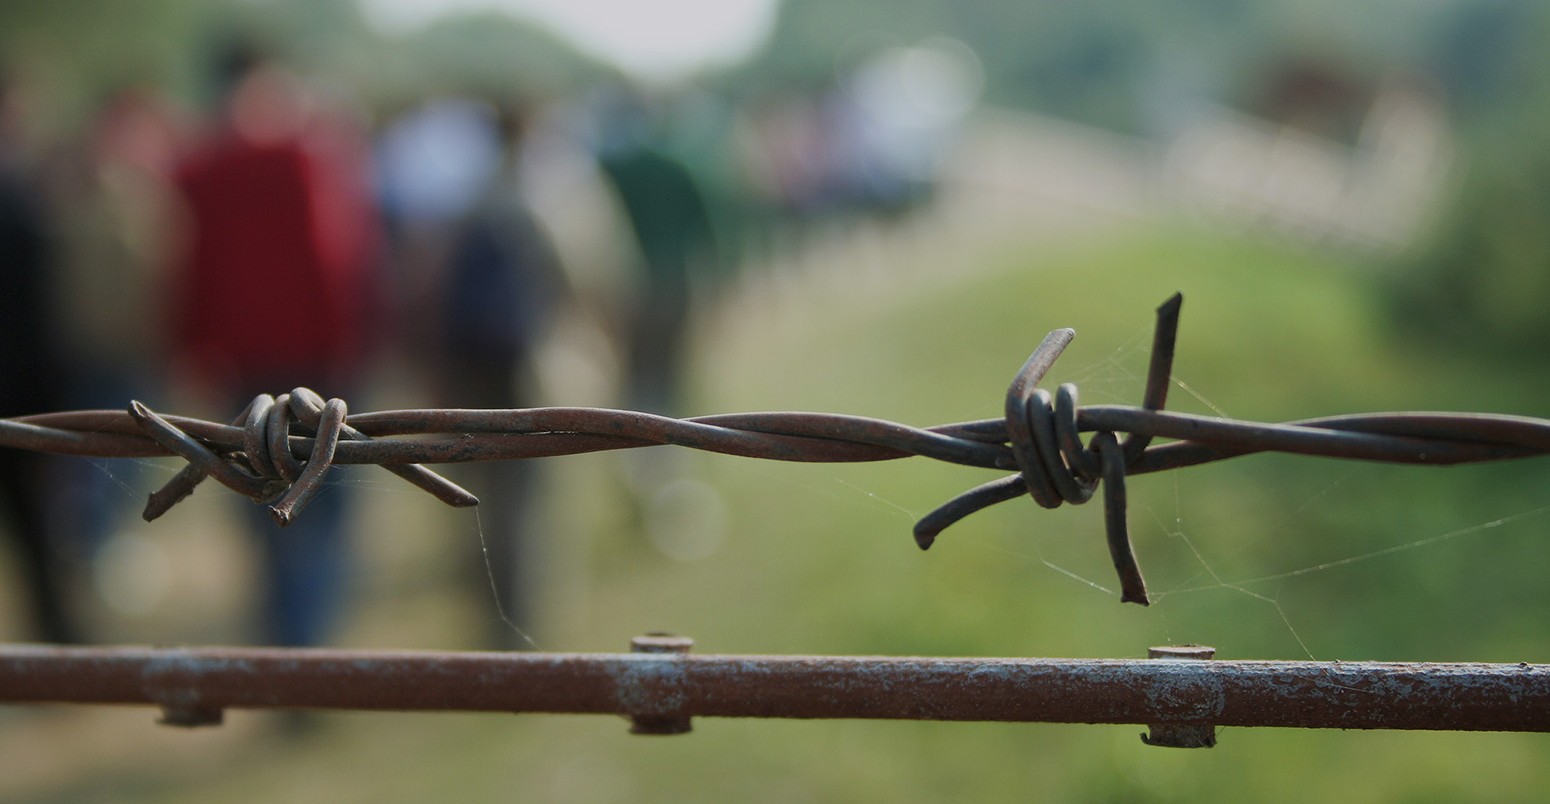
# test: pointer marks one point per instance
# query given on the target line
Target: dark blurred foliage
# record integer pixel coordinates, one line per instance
(76, 52)
(1092, 62)
(487, 54)
(1080, 61)
(1120, 64)
(1102, 62)
(1484, 278)
(1483, 275)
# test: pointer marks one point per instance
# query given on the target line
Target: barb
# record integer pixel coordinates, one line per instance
(278, 450)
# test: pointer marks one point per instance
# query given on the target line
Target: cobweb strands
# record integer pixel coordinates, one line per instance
(279, 449)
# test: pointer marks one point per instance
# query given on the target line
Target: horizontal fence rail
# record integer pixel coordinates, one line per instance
(279, 449)
(1182, 694)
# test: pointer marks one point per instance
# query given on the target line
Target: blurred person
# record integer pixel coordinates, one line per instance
(670, 219)
(273, 290)
(433, 162)
(112, 202)
(476, 278)
(29, 380)
(786, 154)
(499, 290)
(566, 190)
(869, 145)
(669, 212)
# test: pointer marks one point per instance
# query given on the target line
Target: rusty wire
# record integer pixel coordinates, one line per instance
(1181, 693)
(279, 449)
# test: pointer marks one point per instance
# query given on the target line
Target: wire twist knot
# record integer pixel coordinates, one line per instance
(1053, 466)
(266, 468)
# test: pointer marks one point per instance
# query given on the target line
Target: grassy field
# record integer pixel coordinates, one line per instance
(1263, 557)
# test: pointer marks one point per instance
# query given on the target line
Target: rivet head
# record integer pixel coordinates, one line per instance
(1181, 652)
(660, 643)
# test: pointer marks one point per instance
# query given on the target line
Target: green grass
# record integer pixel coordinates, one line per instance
(818, 558)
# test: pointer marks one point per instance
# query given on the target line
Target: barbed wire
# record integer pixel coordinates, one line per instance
(280, 448)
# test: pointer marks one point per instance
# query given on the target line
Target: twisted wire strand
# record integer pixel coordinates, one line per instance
(279, 450)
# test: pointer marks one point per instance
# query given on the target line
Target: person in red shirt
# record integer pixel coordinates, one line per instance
(273, 291)
(275, 281)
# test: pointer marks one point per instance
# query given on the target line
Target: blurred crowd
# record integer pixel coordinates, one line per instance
(289, 235)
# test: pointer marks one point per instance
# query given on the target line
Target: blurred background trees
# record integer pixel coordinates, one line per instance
(1139, 69)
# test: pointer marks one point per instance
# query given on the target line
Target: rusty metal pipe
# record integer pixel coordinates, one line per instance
(664, 686)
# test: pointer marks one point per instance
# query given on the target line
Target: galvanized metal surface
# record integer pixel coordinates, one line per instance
(661, 691)
(279, 449)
